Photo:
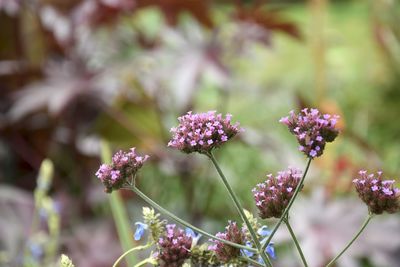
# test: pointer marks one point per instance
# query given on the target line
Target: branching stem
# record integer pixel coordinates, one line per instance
(232, 194)
(298, 188)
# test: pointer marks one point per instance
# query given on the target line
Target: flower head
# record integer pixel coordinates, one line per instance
(124, 165)
(202, 132)
(379, 195)
(273, 195)
(224, 252)
(174, 247)
(312, 130)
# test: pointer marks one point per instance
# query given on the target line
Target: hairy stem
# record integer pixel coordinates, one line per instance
(183, 222)
(298, 188)
(286, 220)
(352, 240)
(232, 194)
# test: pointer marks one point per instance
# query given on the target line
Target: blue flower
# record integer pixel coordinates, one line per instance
(195, 238)
(263, 231)
(248, 253)
(140, 229)
(271, 250)
(190, 232)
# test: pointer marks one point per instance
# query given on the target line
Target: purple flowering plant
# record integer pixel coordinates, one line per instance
(251, 243)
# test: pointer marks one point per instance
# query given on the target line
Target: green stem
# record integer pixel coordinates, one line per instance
(182, 222)
(298, 188)
(352, 240)
(232, 194)
(129, 251)
(286, 220)
(253, 262)
(143, 262)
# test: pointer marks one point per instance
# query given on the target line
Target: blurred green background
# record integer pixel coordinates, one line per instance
(74, 74)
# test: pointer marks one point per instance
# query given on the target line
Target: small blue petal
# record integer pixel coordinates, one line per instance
(140, 229)
(271, 250)
(190, 232)
(195, 238)
(263, 231)
(247, 252)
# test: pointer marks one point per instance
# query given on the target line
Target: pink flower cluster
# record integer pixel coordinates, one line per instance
(379, 195)
(174, 247)
(202, 132)
(124, 166)
(273, 195)
(312, 130)
(224, 252)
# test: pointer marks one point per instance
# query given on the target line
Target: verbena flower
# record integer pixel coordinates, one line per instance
(273, 195)
(202, 132)
(174, 247)
(226, 253)
(379, 195)
(312, 130)
(124, 165)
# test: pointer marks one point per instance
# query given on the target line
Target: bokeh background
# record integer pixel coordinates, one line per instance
(78, 75)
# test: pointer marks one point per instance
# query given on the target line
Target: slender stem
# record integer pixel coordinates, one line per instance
(182, 222)
(253, 262)
(298, 188)
(129, 251)
(143, 262)
(286, 220)
(352, 240)
(253, 234)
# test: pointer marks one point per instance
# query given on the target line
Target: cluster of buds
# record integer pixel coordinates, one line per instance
(174, 247)
(154, 223)
(379, 195)
(202, 256)
(312, 130)
(226, 253)
(124, 166)
(273, 195)
(202, 132)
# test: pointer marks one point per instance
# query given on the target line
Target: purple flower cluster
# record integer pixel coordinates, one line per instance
(174, 247)
(273, 195)
(224, 252)
(202, 132)
(379, 195)
(124, 165)
(312, 130)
